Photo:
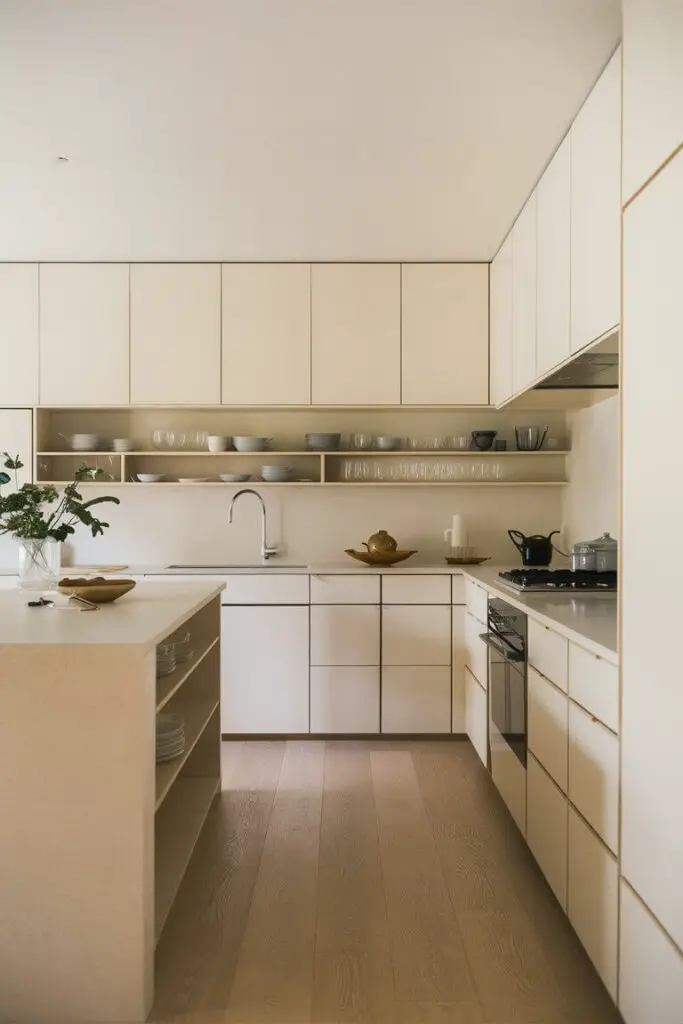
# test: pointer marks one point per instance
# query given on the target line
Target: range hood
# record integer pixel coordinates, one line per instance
(596, 369)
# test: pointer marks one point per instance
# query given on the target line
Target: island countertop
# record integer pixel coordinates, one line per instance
(141, 618)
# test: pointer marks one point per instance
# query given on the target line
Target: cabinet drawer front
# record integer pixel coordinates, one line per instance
(476, 654)
(458, 595)
(592, 898)
(548, 653)
(416, 589)
(546, 828)
(416, 635)
(548, 711)
(345, 700)
(243, 588)
(594, 684)
(346, 589)
(477, 601)
(594, 774)
(416, 700)
(476, 714)
(345, 634)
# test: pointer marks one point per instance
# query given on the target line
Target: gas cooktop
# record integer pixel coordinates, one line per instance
(559, 579)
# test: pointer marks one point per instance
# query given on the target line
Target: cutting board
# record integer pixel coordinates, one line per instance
(97, 570)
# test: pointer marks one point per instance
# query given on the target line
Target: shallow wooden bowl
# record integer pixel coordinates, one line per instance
(380, 557)
(98, 590)
(466, 561)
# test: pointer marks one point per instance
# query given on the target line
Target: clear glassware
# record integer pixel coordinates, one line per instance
(160, 438)
(416, 444)
(348, 470)
(361, 441)
(198, 440)
(39, 563)
(461, 442)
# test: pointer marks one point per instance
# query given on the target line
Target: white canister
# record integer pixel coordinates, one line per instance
(456, 536)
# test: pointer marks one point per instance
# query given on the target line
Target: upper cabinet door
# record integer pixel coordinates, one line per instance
(653, 87)
(501, 324)
(554, 261)
(524, 297)
(596, 210)
(175, 333)
(16, 437)
(445, 334)
(356, 334)
(84, 334)
(266, 334)
(19, 333)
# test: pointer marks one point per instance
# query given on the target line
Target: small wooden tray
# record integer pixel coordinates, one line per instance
(466, 561)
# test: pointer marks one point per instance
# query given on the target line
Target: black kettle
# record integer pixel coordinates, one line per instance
(536, 550)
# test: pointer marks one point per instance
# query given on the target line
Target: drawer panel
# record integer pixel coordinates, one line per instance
(594, 684)
(548, 711)
(477, 601)
(458, 595)
(345, 634)
(416, 635)
(416, 700)
(476, 654)
(546, 828)
(594, 774)
(345, 700)
(548, 653)
(345, 589)
(243, 588)
(416, 589)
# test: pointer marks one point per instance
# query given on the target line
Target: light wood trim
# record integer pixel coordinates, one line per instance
(197, 718)
(168, 686)
(648, 181)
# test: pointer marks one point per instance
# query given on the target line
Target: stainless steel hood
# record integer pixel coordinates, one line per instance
(595, 369)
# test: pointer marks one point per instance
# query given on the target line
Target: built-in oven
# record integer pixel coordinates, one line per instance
(506, 640)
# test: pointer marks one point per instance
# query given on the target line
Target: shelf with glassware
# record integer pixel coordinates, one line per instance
(302, 467)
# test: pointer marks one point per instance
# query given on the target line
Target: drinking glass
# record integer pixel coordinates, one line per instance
(198, 440)
(160, 438)
(361, 441)
(461, 442)
(348, 470)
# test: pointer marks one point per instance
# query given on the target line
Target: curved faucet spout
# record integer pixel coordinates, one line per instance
(266, 549)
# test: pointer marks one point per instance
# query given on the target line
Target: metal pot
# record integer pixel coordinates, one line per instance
(583, 557)
(606, 553)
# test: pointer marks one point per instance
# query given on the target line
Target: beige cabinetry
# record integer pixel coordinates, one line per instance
(501, 324)
(356, 334)
(266, 333)
(458, 697)
(653, 88)
(547, 653)
(416, 635)
(416, 699)
(445, 330)
(19, 334)
(594, 684)
(596, 210)
(546, 828)
(650, 966)
(548, 726)
(476, 716)
(592, 896)
(554, 261)
(344, 699)
(16, 437)
(175, 333)
(84, 334)
(524, 297)
(594, 774)
(345, 634)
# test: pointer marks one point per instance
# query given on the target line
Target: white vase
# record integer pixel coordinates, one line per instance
(39, 563)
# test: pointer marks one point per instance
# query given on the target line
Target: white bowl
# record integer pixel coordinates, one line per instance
(250, 444)
(235, 478)
(150, 478)
(387, 444)
(85, 442)
(218, 443)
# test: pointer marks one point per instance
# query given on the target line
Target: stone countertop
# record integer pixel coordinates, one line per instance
(141, 618)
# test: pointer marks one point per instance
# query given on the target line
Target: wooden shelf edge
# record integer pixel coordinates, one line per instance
(176, 839)
(196, 722)
(173, 682)
(335, 452)
(322, 483)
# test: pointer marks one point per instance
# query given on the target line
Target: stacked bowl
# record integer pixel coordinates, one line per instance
(322, 442)
(170, 738)
(277, 474)
(251, 444)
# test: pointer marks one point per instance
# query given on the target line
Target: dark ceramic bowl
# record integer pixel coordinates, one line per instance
(483, 439)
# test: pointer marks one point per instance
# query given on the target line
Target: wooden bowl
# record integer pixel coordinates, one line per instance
(380, 557)
(466, 561)
(98, 590)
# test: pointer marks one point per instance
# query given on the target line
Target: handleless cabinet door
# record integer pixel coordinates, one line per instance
(524, 297)
(345, 699)
(458, 683)
(445, 334)
(594, 774)
(650, 966)
(476, 715)
(554, 261)
(175, 333)
(596, 210)
(416, 699)
(84, 334)
(548, 711)
(546, 828)
(345, 634)
(266, 352)
(19, 334)
(356, 334)
(416, 635)
(501, 324)
(16, 432)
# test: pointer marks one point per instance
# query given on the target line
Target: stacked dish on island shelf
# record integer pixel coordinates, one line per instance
(170, 737)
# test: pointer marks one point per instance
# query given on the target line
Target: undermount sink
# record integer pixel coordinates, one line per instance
(239, 565)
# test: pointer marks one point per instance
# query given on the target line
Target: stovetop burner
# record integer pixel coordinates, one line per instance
(559, 579)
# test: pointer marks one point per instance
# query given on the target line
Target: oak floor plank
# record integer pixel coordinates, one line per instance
(439, 1013)
(428, 954)
(353, 987)
(273, 980)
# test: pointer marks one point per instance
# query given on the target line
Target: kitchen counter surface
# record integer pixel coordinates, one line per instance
(142, 618)
(590, 621)
(313, 569)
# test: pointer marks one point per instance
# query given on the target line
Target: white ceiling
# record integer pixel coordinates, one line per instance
(283, 129)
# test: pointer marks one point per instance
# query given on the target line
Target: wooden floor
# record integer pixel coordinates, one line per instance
(367, 881)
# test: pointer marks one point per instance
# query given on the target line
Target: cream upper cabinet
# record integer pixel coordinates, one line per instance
(596, 210)
(501, 324)
(16, 438)
(653, 87)
(445, 334)
(19, 333)
(175, 333)
(524, 297)
(356, 334)
(266, 334)
(84, 334)
(554, 259)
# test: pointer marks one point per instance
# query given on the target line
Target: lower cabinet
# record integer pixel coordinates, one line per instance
(476, 716)
(650, 967)
(345, 634)
(594, 774)
(345, 699)
(458, 714)
(264, 669)
(416, 635)
(592, 895)
(546, 827)
(416, 699)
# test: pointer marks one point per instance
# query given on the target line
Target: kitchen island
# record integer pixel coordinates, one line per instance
(95, 835)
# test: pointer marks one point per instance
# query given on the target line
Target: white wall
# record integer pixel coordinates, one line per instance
(591, 505)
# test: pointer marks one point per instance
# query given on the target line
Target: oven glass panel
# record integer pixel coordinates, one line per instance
(507, 680)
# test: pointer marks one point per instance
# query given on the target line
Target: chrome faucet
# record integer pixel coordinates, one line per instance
(266, 551)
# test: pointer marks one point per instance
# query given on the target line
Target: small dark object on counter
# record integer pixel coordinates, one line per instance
(500, 446)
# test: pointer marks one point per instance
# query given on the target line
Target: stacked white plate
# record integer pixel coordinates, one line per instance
(166, 660)
(170, 737)
(276, 474)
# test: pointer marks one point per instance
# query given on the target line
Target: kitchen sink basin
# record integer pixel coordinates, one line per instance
(240, 565)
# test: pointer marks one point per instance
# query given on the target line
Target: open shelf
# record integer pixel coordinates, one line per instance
(168, 686)
(197, 717)
(177, 829)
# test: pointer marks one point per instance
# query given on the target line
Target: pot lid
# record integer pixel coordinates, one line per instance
(604, 543)
(583, 547)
